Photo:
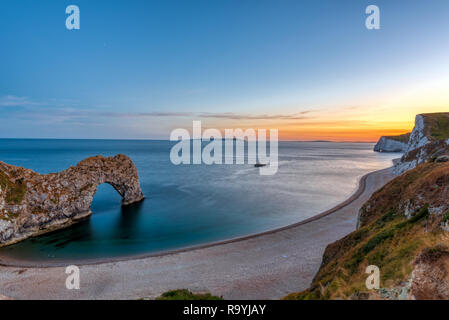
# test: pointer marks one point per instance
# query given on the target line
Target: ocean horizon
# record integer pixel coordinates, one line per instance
(148, 139)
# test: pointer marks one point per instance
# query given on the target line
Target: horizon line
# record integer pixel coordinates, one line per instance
(149, 139)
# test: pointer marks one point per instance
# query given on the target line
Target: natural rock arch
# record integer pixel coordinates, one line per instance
(32, 204)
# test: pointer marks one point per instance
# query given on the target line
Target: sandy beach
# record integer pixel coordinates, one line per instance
(264, 266)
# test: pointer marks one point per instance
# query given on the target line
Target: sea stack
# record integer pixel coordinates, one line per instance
(33, 204)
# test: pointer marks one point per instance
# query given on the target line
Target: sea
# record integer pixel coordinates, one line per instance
(189, 205)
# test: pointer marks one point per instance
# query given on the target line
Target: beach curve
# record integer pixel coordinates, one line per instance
(266, 265)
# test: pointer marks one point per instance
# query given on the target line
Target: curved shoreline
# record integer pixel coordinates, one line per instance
(5, 262)
(268, 265)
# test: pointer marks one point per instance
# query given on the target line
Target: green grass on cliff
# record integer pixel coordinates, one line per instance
(439, 126)
(401, 138)
(387, 237)
(15, 191)
(184, 294)
(391, 242)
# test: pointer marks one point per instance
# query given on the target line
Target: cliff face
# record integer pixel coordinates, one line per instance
(403, 230)
(32, 204)
(428, 141)
(392, 143)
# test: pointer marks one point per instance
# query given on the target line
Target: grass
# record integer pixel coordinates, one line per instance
(401, 138)
(184, 294)
(15, 191)
(386, 238)
(440, 126)
(390, 242)
(446, 217)
(422, 213)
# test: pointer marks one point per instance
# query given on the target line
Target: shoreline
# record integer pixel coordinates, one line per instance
(266, 266)
(361, 186)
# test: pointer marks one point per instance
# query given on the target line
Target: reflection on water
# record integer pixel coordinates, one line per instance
(128, 220)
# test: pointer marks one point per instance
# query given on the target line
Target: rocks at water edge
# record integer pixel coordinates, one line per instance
(33, 204)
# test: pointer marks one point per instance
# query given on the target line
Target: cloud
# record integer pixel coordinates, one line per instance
(58, 110)
(15, 101)
(215, 115)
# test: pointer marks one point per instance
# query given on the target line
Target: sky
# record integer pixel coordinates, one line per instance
(139, 69)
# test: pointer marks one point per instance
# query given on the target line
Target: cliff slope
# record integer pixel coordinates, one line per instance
(32, 204)
(403, 230)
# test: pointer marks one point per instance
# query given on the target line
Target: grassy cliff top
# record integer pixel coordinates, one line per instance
(15, 190)
(401, 138)
(437, 125)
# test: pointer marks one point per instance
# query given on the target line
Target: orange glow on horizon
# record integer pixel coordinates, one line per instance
(338, 131)
(343, 135)
(340, 124)
(352, 124)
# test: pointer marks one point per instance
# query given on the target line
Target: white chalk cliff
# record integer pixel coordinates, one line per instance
(391, 144)
(428, 141)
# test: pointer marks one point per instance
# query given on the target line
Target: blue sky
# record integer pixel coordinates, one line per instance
(137, 69)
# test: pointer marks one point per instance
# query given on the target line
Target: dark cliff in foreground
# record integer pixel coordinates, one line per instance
(403, 229)
(33, 204)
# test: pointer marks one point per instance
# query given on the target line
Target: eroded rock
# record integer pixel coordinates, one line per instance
(33, 204)
(430, 276)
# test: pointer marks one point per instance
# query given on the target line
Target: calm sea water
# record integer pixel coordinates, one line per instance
(190, 204)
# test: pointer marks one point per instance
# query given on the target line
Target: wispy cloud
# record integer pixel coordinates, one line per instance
(64, 111)
(57, 117)
(215, 115)
(15, 101)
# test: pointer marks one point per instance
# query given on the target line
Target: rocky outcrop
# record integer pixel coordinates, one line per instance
(392, 143)
(430, 276)
(32, 204)
(428, 141)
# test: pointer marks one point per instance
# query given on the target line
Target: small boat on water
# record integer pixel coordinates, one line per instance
(258, 165)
